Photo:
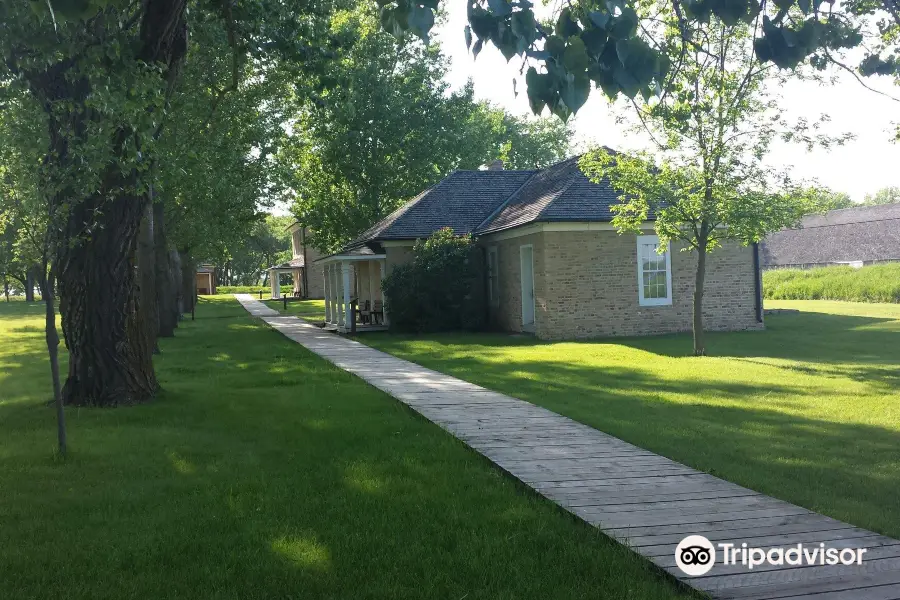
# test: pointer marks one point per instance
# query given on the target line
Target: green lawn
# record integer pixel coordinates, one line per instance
(807, 411)
(310, 310)
(264, 472)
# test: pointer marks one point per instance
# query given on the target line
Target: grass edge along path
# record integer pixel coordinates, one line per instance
(586, 471)
(262, 471)
(807, 411)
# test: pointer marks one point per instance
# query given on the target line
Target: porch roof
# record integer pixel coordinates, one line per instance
(370, 251)
(294, 263)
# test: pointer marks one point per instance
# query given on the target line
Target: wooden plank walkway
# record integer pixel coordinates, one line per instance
(641, 499)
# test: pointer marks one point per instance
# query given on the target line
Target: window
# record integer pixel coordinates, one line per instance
(492, 277)
(654, 272)
(296, 243)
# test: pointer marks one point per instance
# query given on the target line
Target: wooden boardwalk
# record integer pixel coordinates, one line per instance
(641, 499)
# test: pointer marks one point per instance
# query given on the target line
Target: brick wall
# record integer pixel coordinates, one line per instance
(585, 285)
(591, 288)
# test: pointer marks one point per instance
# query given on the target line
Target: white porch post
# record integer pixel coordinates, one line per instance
(335, 299)
(382, 264)
(338, 295)
(276, 284)
(348, 308)
(327, 294)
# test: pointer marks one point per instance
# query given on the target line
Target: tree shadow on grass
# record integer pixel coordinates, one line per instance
(746, 431)
(324, 488)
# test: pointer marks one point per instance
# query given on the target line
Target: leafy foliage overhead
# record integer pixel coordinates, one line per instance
(605, 42)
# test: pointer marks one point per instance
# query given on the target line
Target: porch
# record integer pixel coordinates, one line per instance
(354, 300)
(295, 269)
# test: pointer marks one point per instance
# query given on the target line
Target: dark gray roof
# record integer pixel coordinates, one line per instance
(487, 201)
(558, 193)
(462, 201)
(294, 263)
(864, 233)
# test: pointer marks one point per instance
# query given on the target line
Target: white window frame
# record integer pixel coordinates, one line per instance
(493, 268)
(667, 301)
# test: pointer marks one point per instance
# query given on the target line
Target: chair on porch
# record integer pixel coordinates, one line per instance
(378, 312)
(365, 312)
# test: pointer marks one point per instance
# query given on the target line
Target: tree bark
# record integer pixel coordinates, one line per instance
(176, 277)
(52, 337)
(165, 285)
(29, 285)
(699, 335)
(148, 307)
(109, 363)
(188, 282)
(6, 289)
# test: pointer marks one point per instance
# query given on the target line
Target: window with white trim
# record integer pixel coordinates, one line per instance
(492, 277)
(654, 272)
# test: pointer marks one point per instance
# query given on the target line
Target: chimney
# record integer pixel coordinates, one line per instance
(496, 165)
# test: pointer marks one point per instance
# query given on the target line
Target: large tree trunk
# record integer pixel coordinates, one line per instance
(109, 363)
(6, 289)
(48, 294)
(165, 285)
(699, 336)
(101, 317)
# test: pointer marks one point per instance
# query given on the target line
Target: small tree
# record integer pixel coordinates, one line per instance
(442, 289)
(712, 127)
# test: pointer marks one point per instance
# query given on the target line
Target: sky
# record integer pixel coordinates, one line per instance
(859, 167)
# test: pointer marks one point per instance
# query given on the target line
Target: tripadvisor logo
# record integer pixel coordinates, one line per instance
(695, 555)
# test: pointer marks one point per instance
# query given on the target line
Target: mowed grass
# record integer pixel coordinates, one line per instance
(263, 472)
(807, 411)
(309, 310)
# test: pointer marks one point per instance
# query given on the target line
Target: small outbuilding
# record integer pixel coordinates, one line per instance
(206, 280)
(862, 235)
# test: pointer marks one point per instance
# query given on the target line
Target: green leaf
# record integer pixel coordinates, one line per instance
(600, 19)
(576, 92)
(501, 8)
(575, 57)
(421, 20)
(476, 49)
(625, 25)
(555, 46)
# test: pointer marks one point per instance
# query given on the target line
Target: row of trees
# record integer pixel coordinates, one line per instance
(133, 143)
(130, 151)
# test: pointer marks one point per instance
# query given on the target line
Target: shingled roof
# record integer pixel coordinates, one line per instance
(480, 202)
(461, 201)
(558, 193)
(864, 233)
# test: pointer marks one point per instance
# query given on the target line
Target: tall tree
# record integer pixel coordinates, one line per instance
(389, 127)
(713, 127)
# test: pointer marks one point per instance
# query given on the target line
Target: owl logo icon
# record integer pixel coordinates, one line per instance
(695, 555)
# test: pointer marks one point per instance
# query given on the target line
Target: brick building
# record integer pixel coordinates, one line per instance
(555, 265)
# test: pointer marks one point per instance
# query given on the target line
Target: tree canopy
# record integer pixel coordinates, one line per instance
(388, 127)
